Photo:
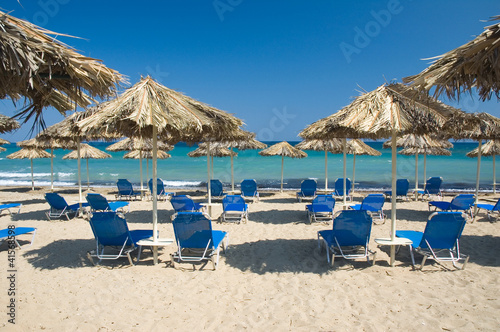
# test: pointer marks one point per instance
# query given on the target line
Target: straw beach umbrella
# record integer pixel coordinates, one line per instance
(358, 147)
(137, 154)
(29, 153)
(283, 149)
(47, 72)
(138, 144)
(3, 141)
(2, 149)
(149, 109)
(216, 150)
(47, 143)
(87, 152)
(421, 144)
(388, 111)
(7, 124)
(490, 148)
(331, 145)
(475, 64)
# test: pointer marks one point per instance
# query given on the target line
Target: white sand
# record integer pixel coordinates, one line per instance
(272, 277)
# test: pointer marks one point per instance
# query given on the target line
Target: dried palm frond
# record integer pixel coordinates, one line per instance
(138, 144)
(490, 148)
(475, 64)
(333, 145)
(247, 143)
(3, 141)
(136, 154)
(358, 147)
(47, 72)
(175, 116)
(419, 141)
(216, 151)
(382, 112)
(433, 151)
(87, 152)
(7, 124)
(29, 153)
(283, 149)
(474, 126)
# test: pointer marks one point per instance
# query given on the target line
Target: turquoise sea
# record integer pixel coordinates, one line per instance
(181, 171)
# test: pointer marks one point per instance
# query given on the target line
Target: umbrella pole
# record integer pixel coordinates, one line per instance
(88, 177)
(155, 197)
(209, 185)
(425, 168)
(52, 169)
(477, 175)
(140, 169)
(79, 173)
(282, 162)
(232, 170)
(32, 179)
(212, 164)
(147, 168)
(494, 176)
(344, 148)
(393, 197)
(353, 171)
(326, 170)
(416, 176)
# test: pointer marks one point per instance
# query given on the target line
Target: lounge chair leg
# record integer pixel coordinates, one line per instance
(374, 257)
(332, 261)
(423, 262)
(465, 262)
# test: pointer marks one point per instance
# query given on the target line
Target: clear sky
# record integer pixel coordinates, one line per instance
(278, 65)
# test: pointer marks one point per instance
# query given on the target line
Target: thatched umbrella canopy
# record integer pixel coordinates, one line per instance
(2, 149)
(490, 148)
(47, 143)
(248, 143)
(475, 126)
(87, 152)
(475, 64)
(358, 147)
(332, 145)
(283, 149)
(216, 150)
(137, 154)
(29, 153)
(47, 72)
(421, 144)
(7, 123)
(149, 109)
(3, 141)
(139, 144)
(388, 111)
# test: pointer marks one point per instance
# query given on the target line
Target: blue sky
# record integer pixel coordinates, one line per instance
(278, 65)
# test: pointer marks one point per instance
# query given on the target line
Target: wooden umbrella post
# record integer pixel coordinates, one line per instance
(282, 162)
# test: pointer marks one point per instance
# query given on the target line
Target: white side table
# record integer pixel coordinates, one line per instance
(154, 246)
(398, 241)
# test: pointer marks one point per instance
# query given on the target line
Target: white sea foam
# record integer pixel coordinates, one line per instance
(23, 183)
(22, 175)
(183, 183)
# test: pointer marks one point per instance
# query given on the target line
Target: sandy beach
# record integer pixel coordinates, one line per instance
(272, 276)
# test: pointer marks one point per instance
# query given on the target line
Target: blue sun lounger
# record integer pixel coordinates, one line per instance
(111, 233)
(432, 187)
(339, 188)
(373, 203)
(196, 241)
(98, 202)
(59, 207)
(462, 202)
(402, 187)
(10, 206)
(490, 208)
(321, 208)
(184, 203)
(12, 234)
(125, 190)
(249, 189)
(307, 189)
(349, 237)
(234, 209)
(161, 194)
(440, 239)
(216, 189)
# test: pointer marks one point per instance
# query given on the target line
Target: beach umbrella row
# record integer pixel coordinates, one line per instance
(491, 148)
(30, 153)
(87, 152)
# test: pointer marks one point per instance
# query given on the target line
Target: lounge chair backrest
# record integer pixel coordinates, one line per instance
(232, 199)
(402, 187)
(160, 187)
(182, 203)
(443, 229)
(352, 228)
(339, 186)
(124, 187)
(497, 206)
(110, 229)
(375, 202)
(327, 200)
(433, 185)
(56, 201)
(248, 187)
(462, 202)
(97, 202)
(216, 188)
(308, 187)
(192, 230)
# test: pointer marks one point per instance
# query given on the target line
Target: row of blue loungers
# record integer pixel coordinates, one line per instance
(11, 234)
